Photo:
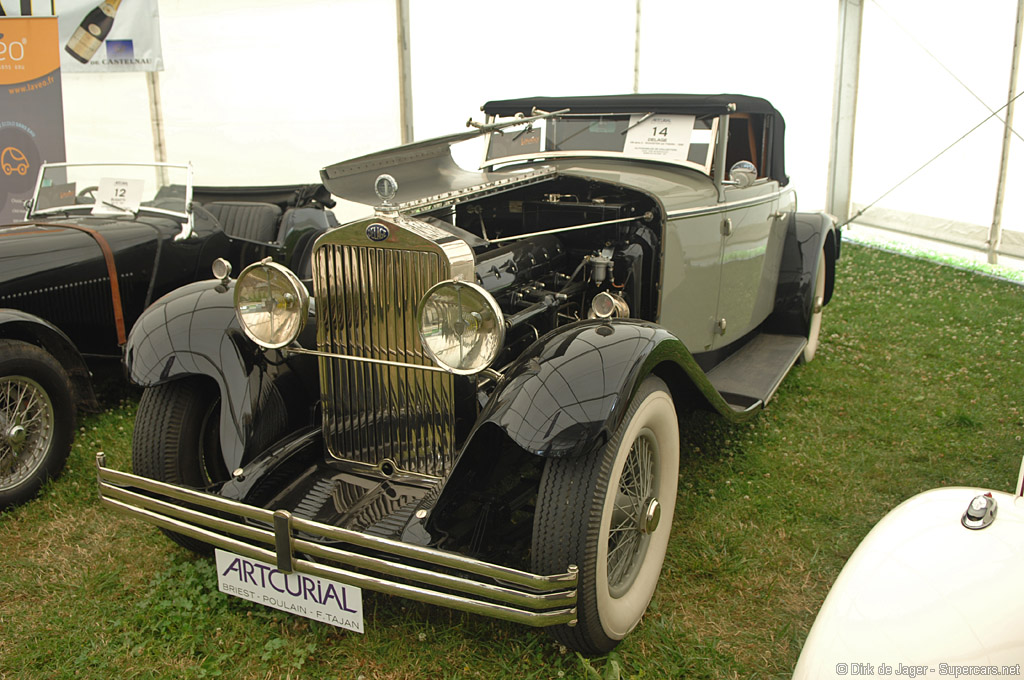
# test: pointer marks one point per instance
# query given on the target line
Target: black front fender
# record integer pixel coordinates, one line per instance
(565, 396)
(18, 325)
(570, 390)
(193, 331)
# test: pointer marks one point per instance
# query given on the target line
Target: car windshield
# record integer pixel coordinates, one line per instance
(113, 189)
(672, 138)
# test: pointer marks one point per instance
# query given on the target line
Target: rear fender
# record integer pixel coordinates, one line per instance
(809, 237)
(193, 331)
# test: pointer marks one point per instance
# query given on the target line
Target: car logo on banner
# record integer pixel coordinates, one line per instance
(377, 232)
(13, 161)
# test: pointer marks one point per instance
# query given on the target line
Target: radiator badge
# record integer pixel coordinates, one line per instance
(377, 232)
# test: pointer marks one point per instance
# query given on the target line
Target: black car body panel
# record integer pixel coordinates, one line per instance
(77, 275)
(194, 332)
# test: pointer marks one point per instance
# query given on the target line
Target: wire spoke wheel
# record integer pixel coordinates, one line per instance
(627, 538)
(610, 513)
(817, 304)
(37, 420)
(26, 428)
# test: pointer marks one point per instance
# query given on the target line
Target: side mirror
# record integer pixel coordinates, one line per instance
(28, 206)
(742, 174)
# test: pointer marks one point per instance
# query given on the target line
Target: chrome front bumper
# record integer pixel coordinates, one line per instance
(414, 572)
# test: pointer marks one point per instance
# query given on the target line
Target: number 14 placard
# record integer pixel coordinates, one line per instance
(664, 137)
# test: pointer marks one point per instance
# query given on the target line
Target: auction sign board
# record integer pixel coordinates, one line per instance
(101, 36)
(31, 108)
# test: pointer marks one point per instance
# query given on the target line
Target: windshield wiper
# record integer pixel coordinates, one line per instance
(121, 207)
(528, 128)
(642, 119)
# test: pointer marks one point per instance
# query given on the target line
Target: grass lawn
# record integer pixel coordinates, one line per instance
(917, 384)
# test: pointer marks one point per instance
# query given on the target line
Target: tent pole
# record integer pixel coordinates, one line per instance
(636, 51)
(844, 108)
(156, 116)
(404, 70)
(995, 234)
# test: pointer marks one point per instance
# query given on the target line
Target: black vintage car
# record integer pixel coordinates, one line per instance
(472, 400)
(100, 243)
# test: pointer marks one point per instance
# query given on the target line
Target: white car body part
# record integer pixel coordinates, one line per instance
(923, 590)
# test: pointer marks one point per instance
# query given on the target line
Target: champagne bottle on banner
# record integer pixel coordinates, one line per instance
(93, 30)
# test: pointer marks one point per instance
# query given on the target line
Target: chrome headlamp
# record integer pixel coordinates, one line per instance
(461, 326)
(271, 304)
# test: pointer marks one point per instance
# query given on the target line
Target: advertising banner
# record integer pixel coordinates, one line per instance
(31, 109)
(101, 36)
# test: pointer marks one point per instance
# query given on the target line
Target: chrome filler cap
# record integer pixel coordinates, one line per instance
(980, 513)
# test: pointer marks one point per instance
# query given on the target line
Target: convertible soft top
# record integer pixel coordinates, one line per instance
(694, 104)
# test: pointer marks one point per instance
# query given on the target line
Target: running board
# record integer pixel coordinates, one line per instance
(751, 375)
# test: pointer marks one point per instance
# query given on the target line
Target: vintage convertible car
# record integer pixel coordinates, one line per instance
(934, 590)
(473, 400)
(99, 244)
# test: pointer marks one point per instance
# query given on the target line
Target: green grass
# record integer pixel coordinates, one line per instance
(916, 385)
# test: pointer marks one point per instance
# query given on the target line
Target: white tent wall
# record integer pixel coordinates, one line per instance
(269, 92)
(783, 51)
(253, 92)
(910, 107)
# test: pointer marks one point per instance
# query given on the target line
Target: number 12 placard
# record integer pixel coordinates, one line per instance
(116, 195)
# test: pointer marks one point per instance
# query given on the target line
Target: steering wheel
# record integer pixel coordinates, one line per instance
(87, 194)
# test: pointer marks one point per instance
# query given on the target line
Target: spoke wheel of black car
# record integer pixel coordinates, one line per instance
(177, 440)
(611, 514)
(817, 305)
(37, 420)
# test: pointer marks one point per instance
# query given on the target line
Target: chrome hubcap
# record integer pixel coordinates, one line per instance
(652, 516)
(16, 436)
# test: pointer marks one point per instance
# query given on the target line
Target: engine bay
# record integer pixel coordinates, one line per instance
(561, 251)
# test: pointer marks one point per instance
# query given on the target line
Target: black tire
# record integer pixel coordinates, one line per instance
(817, 304)
(177, 440)
(576, 506)
(37, 420)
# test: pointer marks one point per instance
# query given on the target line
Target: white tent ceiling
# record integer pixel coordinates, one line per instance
(256, 91)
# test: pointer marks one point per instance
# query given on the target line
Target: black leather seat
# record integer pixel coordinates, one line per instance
(250, 221)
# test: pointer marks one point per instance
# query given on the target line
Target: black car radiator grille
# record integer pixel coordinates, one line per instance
(366, 301)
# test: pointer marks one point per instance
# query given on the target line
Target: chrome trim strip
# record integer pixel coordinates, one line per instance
(516, 596)
(450, 198)
(561, 229)
(349, 357)
(135, 164)
(399, 475)
(724, 207)
(541, 156)
(188, 228)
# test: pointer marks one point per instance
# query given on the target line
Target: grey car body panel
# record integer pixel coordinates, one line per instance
(699, 258)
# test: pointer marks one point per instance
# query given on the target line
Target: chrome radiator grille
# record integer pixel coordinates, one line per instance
(365, 307)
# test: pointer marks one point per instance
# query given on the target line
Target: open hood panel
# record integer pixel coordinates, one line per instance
(428, 177)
